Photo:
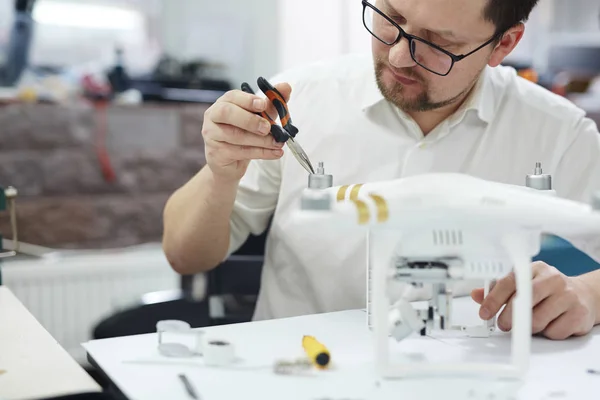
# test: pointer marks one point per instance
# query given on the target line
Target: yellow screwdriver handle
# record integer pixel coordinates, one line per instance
(316, 352)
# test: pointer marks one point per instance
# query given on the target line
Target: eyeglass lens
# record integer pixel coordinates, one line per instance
(422, 53)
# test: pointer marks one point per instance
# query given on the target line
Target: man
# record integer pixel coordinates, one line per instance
(423, 108)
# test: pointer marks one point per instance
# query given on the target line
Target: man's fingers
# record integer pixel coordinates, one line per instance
(229, 152)
(546, 312)
(250, 102)
(562, 327)
(237, 136)
(545, 283)
(477, 295)
(504, 289)
(223, 112)
(549, 310)
(505, 317)
(543, 314)
(498, 297)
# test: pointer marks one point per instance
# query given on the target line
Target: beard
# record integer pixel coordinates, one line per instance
(394, 93)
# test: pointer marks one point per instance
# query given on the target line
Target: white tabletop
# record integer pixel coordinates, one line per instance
(558, 370)
(32, 363)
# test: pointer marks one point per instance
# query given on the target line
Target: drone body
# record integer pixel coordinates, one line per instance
(441, 230)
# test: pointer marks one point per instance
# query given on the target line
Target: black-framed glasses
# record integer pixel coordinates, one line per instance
(426, 54)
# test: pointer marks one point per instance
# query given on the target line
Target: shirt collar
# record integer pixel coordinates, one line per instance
(481, 99)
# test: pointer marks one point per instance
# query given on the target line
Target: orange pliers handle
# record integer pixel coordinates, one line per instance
(277, 99)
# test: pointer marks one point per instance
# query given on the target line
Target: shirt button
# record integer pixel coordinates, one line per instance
(423, 145)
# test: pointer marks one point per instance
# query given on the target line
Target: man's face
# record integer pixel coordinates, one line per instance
(457, 26)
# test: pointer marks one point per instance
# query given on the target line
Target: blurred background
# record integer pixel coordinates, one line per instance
(101, 106)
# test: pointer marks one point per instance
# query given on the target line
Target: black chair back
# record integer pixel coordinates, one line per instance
(233, 286)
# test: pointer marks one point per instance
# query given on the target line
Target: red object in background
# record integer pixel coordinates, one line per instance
(99, 95)
(102, 128)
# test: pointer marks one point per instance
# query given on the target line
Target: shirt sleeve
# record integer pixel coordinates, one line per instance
(577, 176)
(255, 202)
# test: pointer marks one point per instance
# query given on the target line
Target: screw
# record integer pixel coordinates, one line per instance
(321, 168)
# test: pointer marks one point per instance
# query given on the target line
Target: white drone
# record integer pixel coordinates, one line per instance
(444, 228)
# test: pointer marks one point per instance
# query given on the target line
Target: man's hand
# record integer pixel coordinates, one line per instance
(234, 135)
(562, 306)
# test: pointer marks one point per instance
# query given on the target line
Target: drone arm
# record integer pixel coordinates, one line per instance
(520, 247)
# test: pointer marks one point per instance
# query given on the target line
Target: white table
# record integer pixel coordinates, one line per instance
(32, 364)
(558, 370)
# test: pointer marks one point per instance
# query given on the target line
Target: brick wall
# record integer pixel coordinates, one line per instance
(48, 153)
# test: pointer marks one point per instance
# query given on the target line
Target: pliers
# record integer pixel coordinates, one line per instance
(287, 132)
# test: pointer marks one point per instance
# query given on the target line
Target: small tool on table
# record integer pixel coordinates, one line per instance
(188, 387)
(287, 132)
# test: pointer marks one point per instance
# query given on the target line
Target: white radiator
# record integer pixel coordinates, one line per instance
(70, 292)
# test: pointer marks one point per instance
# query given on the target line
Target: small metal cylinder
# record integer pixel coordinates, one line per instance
(320, 180)
(315, 197)
(538, 180)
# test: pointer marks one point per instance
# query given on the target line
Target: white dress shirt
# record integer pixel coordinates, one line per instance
(505, 127)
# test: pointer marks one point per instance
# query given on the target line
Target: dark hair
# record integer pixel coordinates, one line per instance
(508, 13)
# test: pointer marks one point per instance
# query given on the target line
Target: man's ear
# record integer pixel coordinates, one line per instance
(507, 44)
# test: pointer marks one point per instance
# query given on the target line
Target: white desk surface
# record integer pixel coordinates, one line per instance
(32, 364)
(558, 369)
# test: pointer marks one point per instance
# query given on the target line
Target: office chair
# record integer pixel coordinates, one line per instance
(233, 287)
(230, 297)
